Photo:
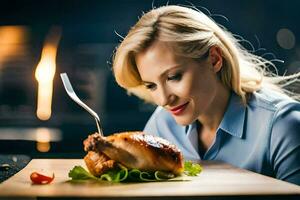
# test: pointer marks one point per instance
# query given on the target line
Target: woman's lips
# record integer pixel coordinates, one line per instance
(179, 109)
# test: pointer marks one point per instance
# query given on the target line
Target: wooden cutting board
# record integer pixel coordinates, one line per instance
(217, 179)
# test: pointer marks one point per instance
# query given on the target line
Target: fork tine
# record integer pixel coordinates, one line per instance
(74, 97)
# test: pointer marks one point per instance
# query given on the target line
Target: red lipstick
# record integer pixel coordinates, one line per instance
(179, 109)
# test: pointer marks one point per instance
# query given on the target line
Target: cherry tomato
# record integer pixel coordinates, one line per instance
(38, 178)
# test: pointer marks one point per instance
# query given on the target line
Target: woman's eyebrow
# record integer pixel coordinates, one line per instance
(146, 82)
(179, 65)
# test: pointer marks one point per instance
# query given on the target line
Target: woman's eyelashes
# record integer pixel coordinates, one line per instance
(150, 86)
(175, 77)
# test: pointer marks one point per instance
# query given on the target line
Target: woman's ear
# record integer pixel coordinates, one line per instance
(215, 55)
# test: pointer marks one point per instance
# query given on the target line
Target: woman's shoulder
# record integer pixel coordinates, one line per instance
(272, 100)
(284, 151)
(281, 112)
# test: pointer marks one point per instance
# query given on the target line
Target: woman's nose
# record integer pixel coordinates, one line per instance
(164, 97)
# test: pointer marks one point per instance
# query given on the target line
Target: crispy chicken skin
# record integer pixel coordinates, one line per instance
(136, 150)
(98, 163)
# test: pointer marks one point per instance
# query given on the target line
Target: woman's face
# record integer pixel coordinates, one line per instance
(185, 87)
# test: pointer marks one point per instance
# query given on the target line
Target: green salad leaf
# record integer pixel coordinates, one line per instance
(122, 174)
(79, 173)
(192, 169)
(117, 174)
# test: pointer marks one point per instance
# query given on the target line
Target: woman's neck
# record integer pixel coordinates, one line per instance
(214, 115)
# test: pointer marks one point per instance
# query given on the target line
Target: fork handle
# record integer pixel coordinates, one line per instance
(99, 127)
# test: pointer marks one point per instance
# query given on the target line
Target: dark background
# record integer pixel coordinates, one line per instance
(85, 50)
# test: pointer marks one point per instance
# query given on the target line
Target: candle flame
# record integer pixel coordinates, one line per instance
(44, 74)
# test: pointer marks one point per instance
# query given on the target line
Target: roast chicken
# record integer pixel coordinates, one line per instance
(135, 150)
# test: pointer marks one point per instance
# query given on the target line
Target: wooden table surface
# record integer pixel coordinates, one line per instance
(216, 181)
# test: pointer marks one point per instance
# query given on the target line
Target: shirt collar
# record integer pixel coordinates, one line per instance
(234, 117)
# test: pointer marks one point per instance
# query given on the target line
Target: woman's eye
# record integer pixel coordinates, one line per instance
(150, 86)
(175, 77)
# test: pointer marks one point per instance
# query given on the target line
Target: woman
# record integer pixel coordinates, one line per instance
(216, 101)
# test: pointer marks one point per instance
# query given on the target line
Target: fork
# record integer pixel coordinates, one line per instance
(72, 94)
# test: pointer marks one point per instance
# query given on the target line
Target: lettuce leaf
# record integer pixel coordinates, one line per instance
(79, 173)
(122, 174)
(192, 169)
(117, 174)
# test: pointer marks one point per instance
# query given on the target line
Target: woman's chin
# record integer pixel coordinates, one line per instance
(183, 121)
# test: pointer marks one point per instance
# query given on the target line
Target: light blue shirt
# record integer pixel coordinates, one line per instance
(263, 136)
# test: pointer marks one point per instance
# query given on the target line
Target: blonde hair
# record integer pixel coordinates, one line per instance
(191, 33)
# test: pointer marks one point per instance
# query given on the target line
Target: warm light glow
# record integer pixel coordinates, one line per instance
(44, 74)
(43, 146)
(11, 40)
(43, 137)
